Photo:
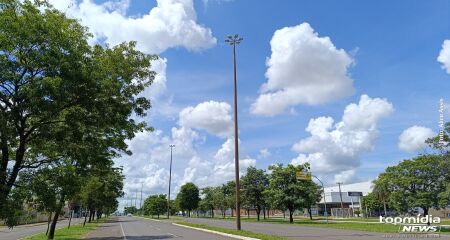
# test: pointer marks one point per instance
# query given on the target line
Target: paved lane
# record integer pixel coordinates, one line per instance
(302, 232)
(27, 230)
(134, 228)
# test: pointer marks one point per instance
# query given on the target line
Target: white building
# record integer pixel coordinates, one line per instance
(350, 203)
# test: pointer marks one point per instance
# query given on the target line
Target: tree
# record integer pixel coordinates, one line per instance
(285, 192)
(253, 183)
(208, 199)
(54, 86)
(417, 182)
(130, 210)
(444, 197)
(381, 192)
(188, 197)
(155, 205)
(371, 202)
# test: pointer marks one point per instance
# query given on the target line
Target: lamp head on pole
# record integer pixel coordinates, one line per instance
(232, 40)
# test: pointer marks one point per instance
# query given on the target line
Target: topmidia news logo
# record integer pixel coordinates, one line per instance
(417, 224)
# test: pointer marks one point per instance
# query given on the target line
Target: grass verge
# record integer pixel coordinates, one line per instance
(233, 231)
(361, 226)
(76, 231)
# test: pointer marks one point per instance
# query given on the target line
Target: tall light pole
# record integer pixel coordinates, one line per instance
(340, 194)
(324, 198)
(170, 179)
(233, 40)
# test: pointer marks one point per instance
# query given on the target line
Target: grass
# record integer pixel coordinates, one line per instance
(76, 231)
(369, 224)
(233, 231)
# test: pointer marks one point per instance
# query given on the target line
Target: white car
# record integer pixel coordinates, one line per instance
(129, 215)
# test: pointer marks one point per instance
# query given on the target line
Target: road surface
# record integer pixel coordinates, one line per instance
(135, 228)
(31, 229)
(302, 232)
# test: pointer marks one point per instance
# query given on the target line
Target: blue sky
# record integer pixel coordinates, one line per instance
(393, 46)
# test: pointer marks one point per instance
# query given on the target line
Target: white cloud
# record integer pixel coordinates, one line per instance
(444, 56)
(335, 148)
(149, 164)
(213, 117)
(303, 69)
(172, 23)
(413, 139)
(264, 153)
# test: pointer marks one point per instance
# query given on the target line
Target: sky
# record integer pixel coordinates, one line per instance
(349, 86)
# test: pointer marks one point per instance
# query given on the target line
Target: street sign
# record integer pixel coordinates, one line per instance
(303, 175)
(355, 194)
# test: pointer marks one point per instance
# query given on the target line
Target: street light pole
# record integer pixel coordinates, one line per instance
(233, 40)
(340, 194)
(170, 179)
(324, 198)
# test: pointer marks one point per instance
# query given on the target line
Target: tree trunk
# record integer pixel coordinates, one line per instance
(48, 223)
(385, 209)
(310, 213)
(51, 234)
(258, 212)
(268, 212)
(85, 217)
(264, 212)
(70, 218)
(291, 219)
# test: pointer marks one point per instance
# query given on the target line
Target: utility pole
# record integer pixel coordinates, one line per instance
(140, 202)
(135, 200)
(233, 40)
(170, 179)
(340, 194)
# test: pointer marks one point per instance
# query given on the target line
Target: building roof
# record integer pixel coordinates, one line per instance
(364, 187)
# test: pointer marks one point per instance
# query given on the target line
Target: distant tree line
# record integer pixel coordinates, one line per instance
(260, 191)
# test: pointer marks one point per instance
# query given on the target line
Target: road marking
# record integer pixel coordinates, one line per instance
(123, 233)
(217, 232)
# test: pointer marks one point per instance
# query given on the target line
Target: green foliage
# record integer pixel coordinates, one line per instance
(372, 202)
(286, 192)
(188, 198)
(253, 184)
(444, 197)
(60, 98)
(416, 183)
(155, 205)
(130, 210)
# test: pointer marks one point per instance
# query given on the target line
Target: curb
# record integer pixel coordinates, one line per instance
(216, 232)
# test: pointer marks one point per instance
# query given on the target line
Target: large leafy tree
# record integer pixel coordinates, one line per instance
(416, 182)
(56, 89)
(372, 202)
(207, 201)
(155, 205)
(189, 197)
(286, 192)
(253, 183)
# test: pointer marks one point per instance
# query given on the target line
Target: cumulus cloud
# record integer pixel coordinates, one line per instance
(172, 23)
(413, 139)
(335, 148)
(303, 69)
(264, 153)
(444, 56)
(149, 164)
(213, 117)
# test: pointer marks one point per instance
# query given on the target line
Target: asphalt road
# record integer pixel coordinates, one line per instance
(31, 229)
(302, 232)
(134, 228)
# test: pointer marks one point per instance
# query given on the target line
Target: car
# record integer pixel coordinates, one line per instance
(129, 215)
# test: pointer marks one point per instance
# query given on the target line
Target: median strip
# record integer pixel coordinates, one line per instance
(232, 233)
(217, 232)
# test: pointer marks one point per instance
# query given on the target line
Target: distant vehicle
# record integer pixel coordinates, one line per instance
(129, 215)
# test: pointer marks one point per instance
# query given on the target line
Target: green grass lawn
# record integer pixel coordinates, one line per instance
(234, 231)
(76, 231)
(357, 225)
